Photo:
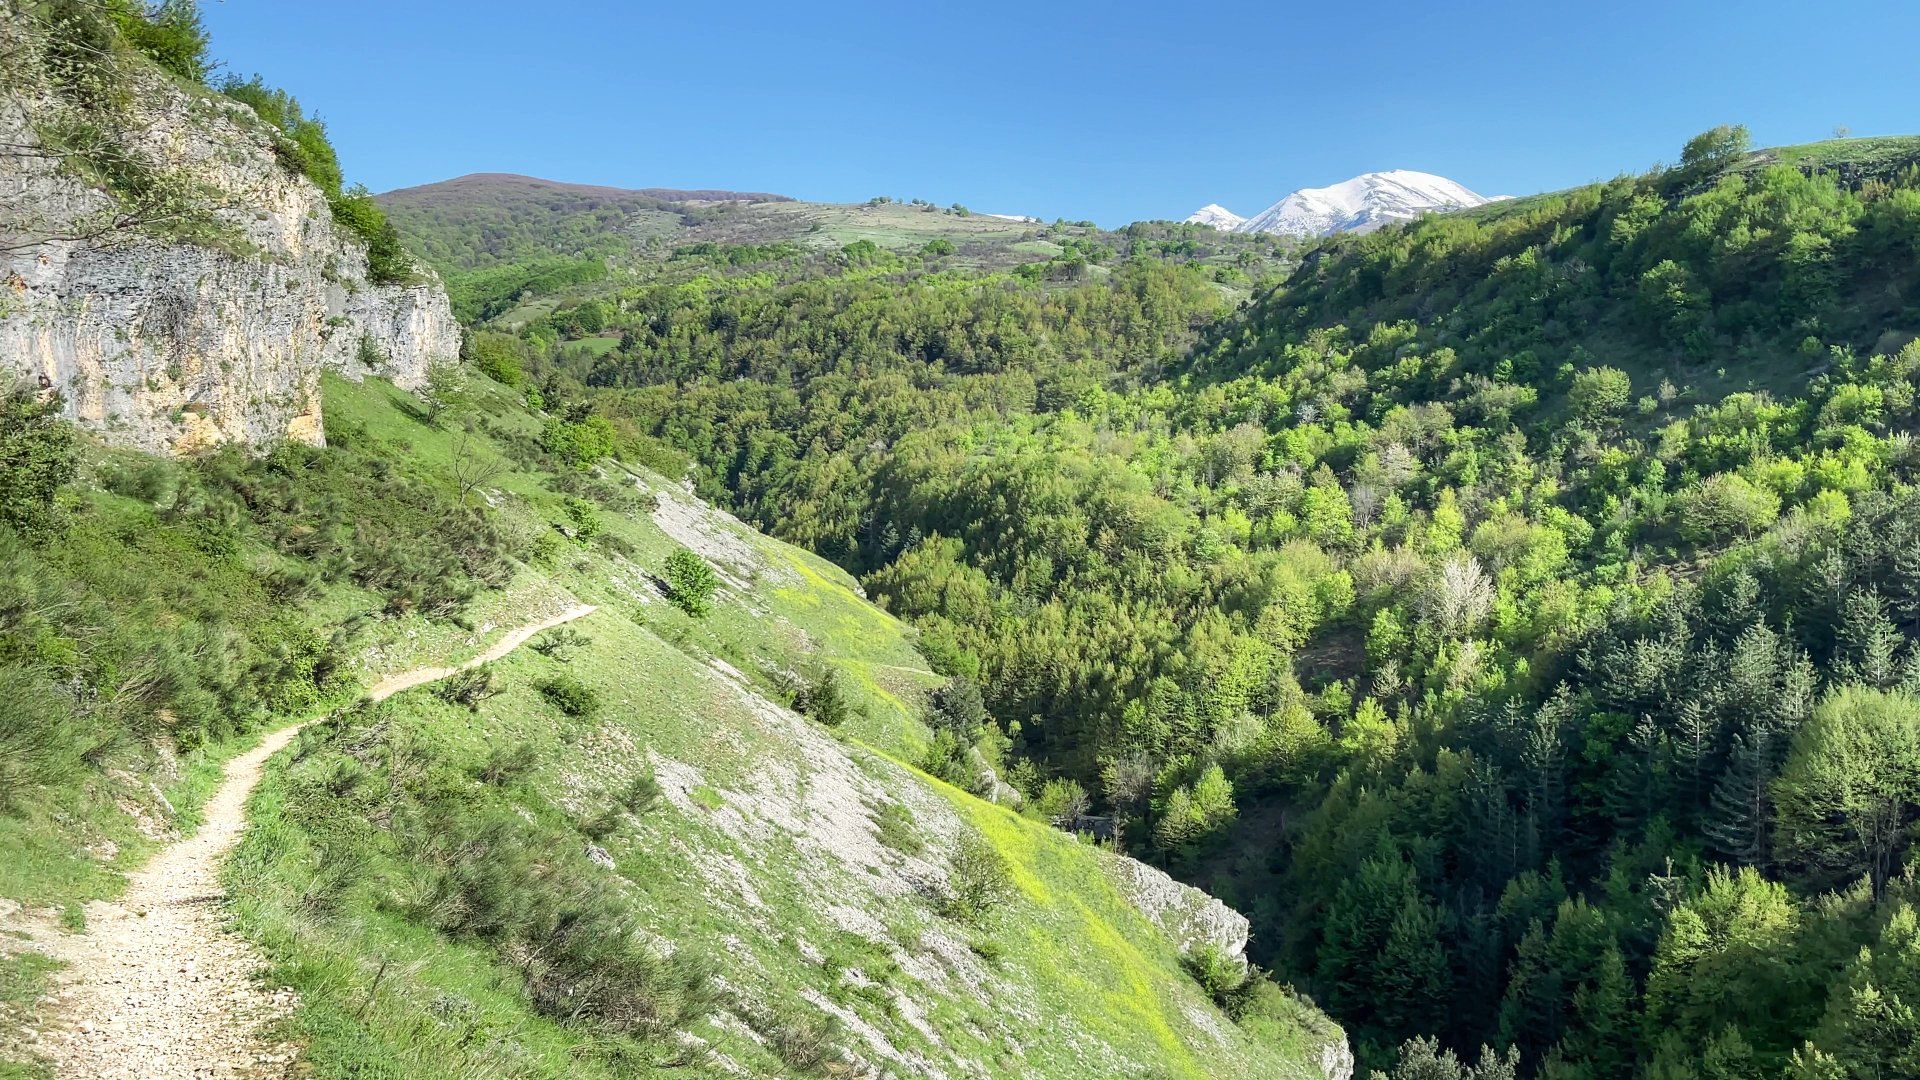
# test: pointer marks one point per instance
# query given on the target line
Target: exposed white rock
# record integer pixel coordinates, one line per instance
(173, 346)
(1188, 916)
(1336, 1059)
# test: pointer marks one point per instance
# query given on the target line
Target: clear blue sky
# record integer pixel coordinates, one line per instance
(1115, 111)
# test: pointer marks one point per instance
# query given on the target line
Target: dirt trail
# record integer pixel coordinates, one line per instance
(158, 986)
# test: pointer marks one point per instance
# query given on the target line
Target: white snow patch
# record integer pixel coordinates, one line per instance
(1217, 216)
(1362, 204)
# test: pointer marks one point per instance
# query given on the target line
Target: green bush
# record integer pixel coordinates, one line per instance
(170, 32)
(37, 459)
(500, 357)
(560, 643)
(40, 744)
(570, 695)
(691, 583)
(583, 518)
(467, 687)
(353, 515)
(824, 698)
(1220, 975)
(580, 443)
(641, 794)
(506, 763)
(893, 824)
(979, 882)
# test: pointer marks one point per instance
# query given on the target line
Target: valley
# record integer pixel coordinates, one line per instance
(514, 627)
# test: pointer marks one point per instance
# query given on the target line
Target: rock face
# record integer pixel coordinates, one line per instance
(174, 346)
(1188, 916)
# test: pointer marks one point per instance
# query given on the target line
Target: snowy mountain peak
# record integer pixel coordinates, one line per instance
(1361, 204)
(1217, 216)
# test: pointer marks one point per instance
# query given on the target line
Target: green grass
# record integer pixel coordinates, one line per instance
(1871, 156)
(596, 346)
(23, 981)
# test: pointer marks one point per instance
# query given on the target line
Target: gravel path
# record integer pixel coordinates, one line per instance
(159, 986)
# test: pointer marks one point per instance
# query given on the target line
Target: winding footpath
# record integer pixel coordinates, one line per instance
(159, 986)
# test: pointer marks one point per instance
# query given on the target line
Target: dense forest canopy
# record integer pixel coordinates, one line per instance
(1513, 611)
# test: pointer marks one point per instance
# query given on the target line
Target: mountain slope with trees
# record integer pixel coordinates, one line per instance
(1489, 606)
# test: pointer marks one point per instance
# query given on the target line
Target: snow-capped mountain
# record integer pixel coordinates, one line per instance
(1217, 216)
(1361, 204)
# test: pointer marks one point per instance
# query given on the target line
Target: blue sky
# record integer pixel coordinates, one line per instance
(1114, 111)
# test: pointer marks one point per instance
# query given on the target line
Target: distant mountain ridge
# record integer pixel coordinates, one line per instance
(509, 183)
(1364, 203)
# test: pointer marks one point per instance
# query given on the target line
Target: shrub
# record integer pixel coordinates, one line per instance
(954, 761)
(893, 824)
(824, 698)
(583, 518)
(37, 459)
(958, 707)
(803, 1039)
(691, 583)
(560, 643)
(354, 516)
(39, 745)
(1061, 801)
(507, 763)
(979, 881)
(468, 686)
(1220, 975)
(1599, 393)
(579, 947)
(170, 32)
(571, 696)
(640, 794)
(580, 443)
(499, 357)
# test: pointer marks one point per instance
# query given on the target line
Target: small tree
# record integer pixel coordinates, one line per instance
(825, 697)
(448, 390)
(468, 686)
(1715, 148)
(560, 643)
(958, 707)
(979, 881)
(473, 467)
(691, 583)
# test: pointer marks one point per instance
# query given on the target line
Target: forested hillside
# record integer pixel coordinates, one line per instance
(1513, 610)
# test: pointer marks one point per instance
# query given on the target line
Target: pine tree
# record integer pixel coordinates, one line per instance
(1601, 1036)
(1869, 645)
(1740, 816)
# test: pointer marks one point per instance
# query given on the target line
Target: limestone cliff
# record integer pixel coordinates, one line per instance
(170, 338)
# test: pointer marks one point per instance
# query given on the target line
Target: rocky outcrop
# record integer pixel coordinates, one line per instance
(172, 344)
(1188, 916)
(1336, 1059)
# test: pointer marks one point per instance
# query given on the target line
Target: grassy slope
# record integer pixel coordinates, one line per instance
(764, 851)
